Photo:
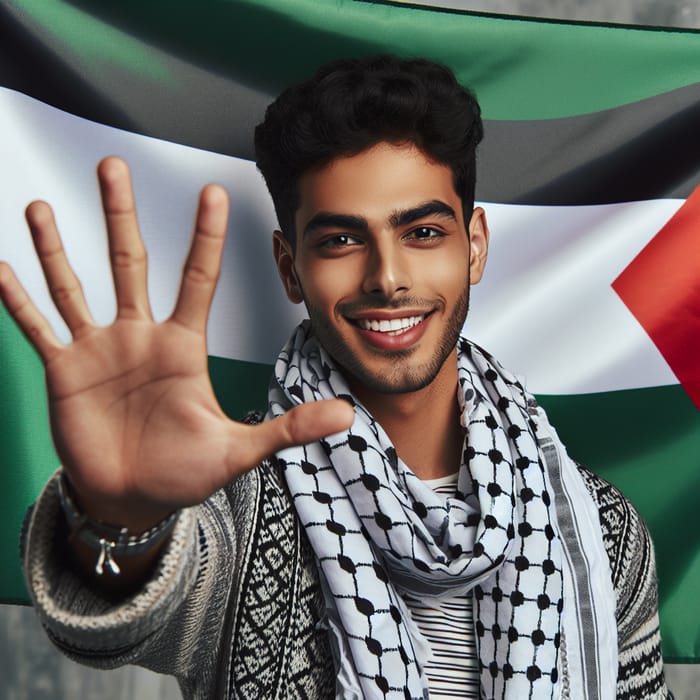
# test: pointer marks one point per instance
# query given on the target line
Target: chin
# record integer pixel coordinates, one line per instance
(401, 380)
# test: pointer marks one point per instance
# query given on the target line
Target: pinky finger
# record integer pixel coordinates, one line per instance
(25, 314)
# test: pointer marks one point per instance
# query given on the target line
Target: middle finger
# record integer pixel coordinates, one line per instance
(126, 249)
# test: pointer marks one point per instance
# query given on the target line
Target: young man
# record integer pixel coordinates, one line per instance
(406, 521)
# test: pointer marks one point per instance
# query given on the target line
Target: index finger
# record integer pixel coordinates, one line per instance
(203, 264)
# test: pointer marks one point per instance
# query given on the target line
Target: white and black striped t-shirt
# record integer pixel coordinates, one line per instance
(448, 627)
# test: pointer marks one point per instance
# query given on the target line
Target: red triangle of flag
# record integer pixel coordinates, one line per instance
(661, 287)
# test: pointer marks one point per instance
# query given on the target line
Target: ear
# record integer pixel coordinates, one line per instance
(478, 244)
(284, 257)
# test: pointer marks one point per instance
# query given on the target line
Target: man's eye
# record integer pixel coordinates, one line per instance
(342, 240)
(425, 233)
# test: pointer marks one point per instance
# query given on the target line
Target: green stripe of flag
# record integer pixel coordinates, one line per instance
(26, 452)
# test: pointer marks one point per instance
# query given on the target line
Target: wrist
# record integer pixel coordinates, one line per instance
(130, 512)
(108, 540)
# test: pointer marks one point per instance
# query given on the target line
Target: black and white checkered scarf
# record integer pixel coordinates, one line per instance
(376, 528)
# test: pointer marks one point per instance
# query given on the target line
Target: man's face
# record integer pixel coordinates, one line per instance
(383, 263)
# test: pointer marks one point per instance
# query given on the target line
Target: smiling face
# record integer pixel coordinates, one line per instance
(383, 262)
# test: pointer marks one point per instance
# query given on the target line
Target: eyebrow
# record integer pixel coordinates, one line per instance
(327, 219)
(433, 208)
(401, 217)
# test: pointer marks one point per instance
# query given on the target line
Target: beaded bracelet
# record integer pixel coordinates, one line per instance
(109, 540)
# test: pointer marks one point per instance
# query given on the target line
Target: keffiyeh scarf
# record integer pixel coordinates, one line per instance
(377, 529)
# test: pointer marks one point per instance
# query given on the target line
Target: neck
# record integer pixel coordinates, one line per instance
(424, 425)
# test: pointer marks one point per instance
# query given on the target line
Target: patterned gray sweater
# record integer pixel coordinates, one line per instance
(234, 608)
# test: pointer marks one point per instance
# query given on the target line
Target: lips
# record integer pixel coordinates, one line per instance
(393, 326)
(392, 334)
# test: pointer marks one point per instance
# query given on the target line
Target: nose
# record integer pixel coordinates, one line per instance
(388, 271)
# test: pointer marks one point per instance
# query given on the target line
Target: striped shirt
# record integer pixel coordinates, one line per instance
(448, 626)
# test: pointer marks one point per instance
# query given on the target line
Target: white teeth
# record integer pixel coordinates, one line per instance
(393, 325)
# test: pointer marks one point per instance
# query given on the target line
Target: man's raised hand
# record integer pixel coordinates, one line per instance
(133, 415)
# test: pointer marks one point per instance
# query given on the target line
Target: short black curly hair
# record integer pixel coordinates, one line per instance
(350, 105)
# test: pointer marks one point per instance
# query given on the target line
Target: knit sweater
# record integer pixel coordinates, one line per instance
(234, 608)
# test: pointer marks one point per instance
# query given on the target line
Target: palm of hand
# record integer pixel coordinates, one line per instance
(132, 412)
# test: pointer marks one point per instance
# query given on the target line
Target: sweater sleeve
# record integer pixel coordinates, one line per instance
(172, 624)
(631, 554)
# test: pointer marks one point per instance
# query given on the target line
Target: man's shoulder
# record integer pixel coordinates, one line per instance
(609, 499)
(630, 551)
(621, 524)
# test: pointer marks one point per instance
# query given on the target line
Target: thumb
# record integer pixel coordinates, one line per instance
(298, 426)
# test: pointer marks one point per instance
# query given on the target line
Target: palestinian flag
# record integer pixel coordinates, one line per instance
(587, 173)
